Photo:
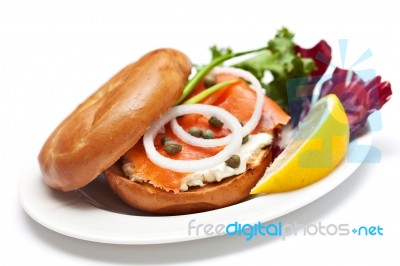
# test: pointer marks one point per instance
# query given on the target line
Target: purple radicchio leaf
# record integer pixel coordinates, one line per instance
(359, 98)
(321, 53)
(300, 90)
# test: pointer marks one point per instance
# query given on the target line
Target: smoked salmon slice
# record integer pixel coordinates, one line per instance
(238, 99)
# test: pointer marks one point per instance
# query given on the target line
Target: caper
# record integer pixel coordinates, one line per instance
(234, 161)
(210, 80)
(195, 132)
(215, 122)
(208, 134)
(245, 139)
(164, 139)
(172, 147)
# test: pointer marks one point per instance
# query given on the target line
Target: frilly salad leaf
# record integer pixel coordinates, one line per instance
(281, 59)
(297, 70)
(321, 54)
(359, 98)
(219, 52)
(300, 90)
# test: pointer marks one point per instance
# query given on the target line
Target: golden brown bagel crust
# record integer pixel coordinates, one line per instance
(146, 197)
(113, 119)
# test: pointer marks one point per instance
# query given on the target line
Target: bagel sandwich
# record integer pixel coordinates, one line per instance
(122, 130)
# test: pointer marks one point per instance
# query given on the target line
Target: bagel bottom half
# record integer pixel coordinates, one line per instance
(146, 197)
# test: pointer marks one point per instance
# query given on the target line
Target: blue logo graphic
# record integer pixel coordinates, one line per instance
(281, 230)
(368, 231)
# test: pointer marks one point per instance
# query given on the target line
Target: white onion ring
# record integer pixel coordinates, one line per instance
(193, 165)
(247, 128)
(256, 86)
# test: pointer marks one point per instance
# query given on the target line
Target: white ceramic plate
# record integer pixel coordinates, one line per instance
(70, 214)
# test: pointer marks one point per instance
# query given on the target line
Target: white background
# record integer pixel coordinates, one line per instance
(55, 53)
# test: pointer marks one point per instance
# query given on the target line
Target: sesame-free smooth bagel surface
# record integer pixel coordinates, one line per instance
(107, 124)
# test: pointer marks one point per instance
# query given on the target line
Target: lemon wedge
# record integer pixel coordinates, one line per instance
(318, 146)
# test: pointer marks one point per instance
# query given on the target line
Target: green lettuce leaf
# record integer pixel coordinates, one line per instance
(280, 59)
